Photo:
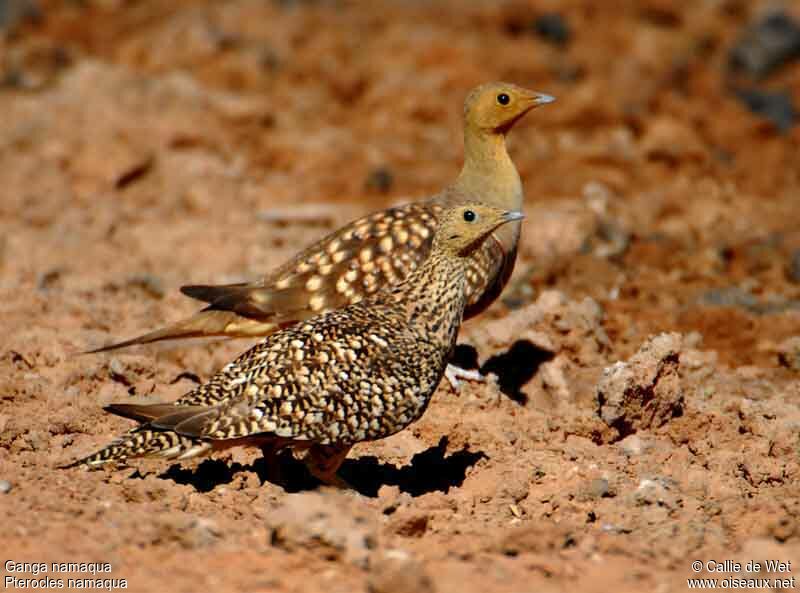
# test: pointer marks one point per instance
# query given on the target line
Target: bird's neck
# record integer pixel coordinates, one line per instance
(434, 297)
(489, 173)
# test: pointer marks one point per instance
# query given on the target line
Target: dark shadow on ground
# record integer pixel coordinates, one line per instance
(515, 367)
(429, 471)
(465, 357)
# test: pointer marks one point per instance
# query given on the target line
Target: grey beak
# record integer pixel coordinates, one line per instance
(542, 99)
(512, 215)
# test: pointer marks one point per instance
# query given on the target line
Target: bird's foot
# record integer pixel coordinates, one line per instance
(453, 373)
(323, 462)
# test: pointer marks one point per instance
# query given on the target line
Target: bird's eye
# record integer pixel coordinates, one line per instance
(503, 99)
(469, 215)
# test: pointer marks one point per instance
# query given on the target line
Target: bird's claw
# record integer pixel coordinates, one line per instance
(453, 373)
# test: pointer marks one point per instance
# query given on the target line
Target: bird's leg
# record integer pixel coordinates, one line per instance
(323, 461)
(269, 451)
(453, 373)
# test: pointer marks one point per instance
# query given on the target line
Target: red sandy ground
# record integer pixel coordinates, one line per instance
(147, 145)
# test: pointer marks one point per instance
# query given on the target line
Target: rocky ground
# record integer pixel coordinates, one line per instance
(646, 406)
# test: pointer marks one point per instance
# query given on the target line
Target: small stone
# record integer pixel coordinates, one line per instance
(380, 180)
(189, 532)
(119, 372)
(5, 486)
(655, 491)
(396, 571)
(783, 528)
(152, 285)
(729, 297)
(789, 353)
(793, 269)
(552, 28)
(13, 12)
(775, 107)
(633, 445)
(409, 524)
(766, 45)
(50, 278)
(595, 489)
(330, 523)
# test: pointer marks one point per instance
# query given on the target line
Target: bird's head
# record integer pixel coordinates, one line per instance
(464, 228)
(495, 107)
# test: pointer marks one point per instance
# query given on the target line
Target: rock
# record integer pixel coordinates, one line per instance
(152, 285)
(119, 372)
(644, 392)
(766, 45)
(789, 353)
(634, 445)
(330, 522)
(535, 538)
(552, 28)
(729, 297)
(793, 269)
(5, 486)
(14, 12)
(380, 180)
(595, 489)
(396, 571)
(189, 532)
(409, 523)
(554, 378)
(656, 491)
(776, 107)
(782, 528)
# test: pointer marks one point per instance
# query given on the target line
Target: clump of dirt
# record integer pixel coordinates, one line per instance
(644, 392)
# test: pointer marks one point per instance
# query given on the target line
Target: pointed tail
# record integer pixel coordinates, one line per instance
(145, 442)
(207, 323)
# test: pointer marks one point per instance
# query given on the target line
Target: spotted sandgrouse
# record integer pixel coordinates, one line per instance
(359, 373)
(382, 248)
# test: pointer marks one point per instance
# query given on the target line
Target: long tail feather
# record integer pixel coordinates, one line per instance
(145, 443)
(203, 324)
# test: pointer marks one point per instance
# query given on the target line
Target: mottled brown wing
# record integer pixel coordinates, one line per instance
(355, 261)
(488, 271)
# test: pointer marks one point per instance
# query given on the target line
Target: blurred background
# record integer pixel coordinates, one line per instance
(170, 141)
(147, 144)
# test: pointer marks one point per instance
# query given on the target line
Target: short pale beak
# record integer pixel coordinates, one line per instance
(541, 99)
(512, 215)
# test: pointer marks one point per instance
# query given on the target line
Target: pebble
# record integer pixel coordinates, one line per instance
(552, 28)
(119, 372)
(793, 270)
(380, 180)
(5, 486)
(766, 45)
(14, 12)
(396, 571)
(596, 489)
(633, 445)
(729, 297)
(789, 353)
(152, 285)
(776, 107)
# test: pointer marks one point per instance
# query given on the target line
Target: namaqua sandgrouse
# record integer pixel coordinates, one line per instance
(383, 248)
(359, 373)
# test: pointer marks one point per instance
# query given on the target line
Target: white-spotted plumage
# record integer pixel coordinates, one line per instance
(354, 374)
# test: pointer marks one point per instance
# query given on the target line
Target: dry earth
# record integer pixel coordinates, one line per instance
(647, 406)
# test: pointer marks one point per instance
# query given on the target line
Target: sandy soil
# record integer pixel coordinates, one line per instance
(647, 405)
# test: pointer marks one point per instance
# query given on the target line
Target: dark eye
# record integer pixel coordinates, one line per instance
(469, 215)
(503, 99)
